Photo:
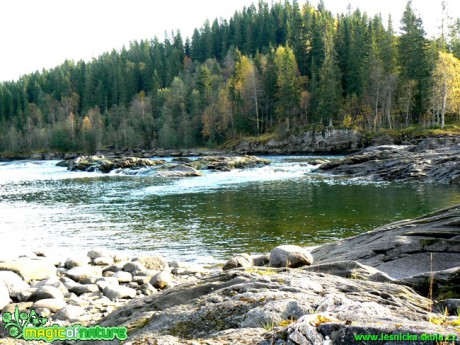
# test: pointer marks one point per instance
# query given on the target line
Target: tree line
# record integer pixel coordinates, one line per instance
(274, 68)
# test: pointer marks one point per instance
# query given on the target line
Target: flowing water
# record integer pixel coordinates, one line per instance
(204, 219)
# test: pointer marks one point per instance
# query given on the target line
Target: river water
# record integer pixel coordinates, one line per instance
(203, 219)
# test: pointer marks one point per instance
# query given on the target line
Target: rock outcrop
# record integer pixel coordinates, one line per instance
(272, 306)
(184, 168)
(105, 165)
(325, 141)
(405, 163)
(227, 163)
(412, 252)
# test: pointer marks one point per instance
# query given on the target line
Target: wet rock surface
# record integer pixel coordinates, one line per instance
(182, 168)
(428, 162)
(412, 251)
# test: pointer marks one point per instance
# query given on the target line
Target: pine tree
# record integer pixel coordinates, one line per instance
(413, 58)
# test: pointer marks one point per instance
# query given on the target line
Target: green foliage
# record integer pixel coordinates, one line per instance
(269, 69)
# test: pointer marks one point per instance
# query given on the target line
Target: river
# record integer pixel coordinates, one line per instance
(203, 219)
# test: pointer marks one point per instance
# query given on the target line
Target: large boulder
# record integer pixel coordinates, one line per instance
(411, 251)
(115, 292)
(30, 269)
(400, 163)
(161, 280)
(45, 292)
(80, 289)
(71, 313)
(234, 307)
(290, 256)
(13, 282)
(105, 165)
(84, 272)
(179, 170)
(226, 163)
(4, 296)
(52, 304)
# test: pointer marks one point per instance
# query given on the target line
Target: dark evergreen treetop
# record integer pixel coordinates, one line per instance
(269, 68)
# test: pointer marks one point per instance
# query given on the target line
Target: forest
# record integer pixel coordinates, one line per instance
(269, 69)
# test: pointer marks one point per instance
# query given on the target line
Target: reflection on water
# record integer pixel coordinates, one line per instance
(205, 218)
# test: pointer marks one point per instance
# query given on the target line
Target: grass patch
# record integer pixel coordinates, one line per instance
(262, 271)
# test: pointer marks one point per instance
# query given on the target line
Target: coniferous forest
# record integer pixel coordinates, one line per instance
(276, 68)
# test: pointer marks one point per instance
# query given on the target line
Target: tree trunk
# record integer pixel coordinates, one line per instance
(444, 104)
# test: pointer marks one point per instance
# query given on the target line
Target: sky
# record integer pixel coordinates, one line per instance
(37, 34)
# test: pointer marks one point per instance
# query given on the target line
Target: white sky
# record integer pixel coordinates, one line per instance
(36, 34)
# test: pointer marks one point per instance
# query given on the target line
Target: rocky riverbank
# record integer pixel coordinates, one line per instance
(85, 288)
(431, 161)
(372, 284)
(318, 142)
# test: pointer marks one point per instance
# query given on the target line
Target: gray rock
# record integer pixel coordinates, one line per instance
(102, 283)
(99, 253)
(80, 273)
(409, 251)
(179, 170)
(52, 304)
(123, 277)
(118, 292)
(75, 262)
(44, 312)
(88, 280)
(4, 296)
(108, 274)
(350, 269)
(261, 260)
(77, 301)
(274, 312)
(46, 292)
(10, 308)
(68, 283)
(325, 141)
(154, 262)
(290, 256)
(141, 279)
(185, 268)
(54, 282)
(134, 266)
(452, 306)
(217, 308)
(24, 295)
(442, 283)
(71, 313)
(103, 261)
(30, 269)
(147, 289)
(227, 163)
(161, 280)
(400, 163)
(13, 282)
(112, 268)
(242, 260)
(105, 165)
(81, 289)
